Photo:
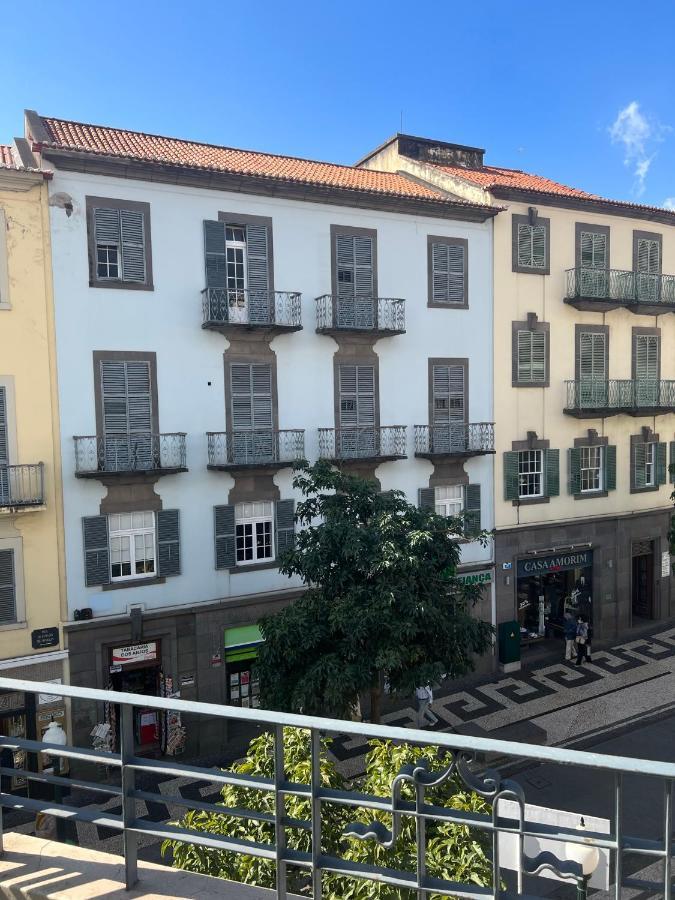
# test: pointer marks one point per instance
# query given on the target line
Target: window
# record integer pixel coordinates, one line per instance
(8, 613)
(591, 469)
(531, 358)
(447, 271)
(119, 243)
(650, 465)
(449, 501)
(530, 238)
(530, 473)
(132, 545)
(254, 532)
(235, 252)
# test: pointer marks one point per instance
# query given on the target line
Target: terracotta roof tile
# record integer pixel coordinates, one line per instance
(76, 136)
(489, 177)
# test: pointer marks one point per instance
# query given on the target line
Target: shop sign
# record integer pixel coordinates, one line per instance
(187, 679)
(135, 653)
(44, 637)
(216, 659)
(559, 562)
(56, 714)
(665, 564)
(483, 577)
(43, 699)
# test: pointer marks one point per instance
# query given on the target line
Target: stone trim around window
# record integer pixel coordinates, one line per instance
(451, 241)
(648, 236)
(517, 220)
(91, 204)
(595, 229)
(656, 332)
(646, 436)
(531, 324)
(589, 329)
(148, 356)
(244, 219)
(350, 229)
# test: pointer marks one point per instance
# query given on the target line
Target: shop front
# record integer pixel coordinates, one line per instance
(548, 588)
(241, 651)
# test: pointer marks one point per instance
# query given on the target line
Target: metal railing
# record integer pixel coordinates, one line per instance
(455, 438)
(507, 813)
(22, 485)
(255, 448)
(363, 442)
(620, 394)
(360, 313)
(221, 306)
(139, 452)
(621, 285)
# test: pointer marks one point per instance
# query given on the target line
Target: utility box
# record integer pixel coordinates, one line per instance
(509, 643)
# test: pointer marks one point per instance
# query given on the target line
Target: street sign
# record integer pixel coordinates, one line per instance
(44, 637)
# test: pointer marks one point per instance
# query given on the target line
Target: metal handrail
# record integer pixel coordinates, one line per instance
(491, 785)
(22, 485)
(354, 313)
(621, 285)
(455, 438)
(620, 394)
(363, 442)
(222, 306)
(259, 446)
(137, 452)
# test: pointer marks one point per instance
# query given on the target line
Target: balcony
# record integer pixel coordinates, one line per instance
(382, 316)
(362, 443)
(21, 487)
(599, 290)
(524, 844)
(130, 454)
(598, 398)
(254, 449)
(233, 311)
(454, 440)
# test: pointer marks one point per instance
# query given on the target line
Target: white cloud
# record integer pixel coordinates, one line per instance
(669, 203)
(638, 133)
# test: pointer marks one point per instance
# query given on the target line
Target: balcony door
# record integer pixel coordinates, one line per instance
(238, 272)
(126, 392)
(647, 369)
(252, 439)
(354, 270)
(594, 264)
(4, 449)
(357, 435)
(593, 369)
(648, 281)
(448, 432)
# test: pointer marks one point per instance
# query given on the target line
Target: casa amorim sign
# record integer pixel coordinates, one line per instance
(557, 562)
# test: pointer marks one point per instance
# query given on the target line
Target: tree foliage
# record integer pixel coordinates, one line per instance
(454, 852)
(381, 599)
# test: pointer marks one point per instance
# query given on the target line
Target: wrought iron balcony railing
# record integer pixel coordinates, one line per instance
(455, 439)
(221, 306)
(622, 287)
(383, 315)
(363, 442)
(511, 831)
(124, 453)
(22, 485)
(609, 397)
(262, 447)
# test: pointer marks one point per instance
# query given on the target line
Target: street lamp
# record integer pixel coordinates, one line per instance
(55, 735)
(588, 857)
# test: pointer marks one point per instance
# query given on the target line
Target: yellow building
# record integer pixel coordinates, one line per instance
(31, 575)
(584, 393)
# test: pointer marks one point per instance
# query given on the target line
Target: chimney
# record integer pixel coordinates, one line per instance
(440, 152)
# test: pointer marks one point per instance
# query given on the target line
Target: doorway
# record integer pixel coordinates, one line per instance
(642, 586)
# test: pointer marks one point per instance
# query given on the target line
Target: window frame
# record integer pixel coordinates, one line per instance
(599, 469)
(450, 242)
(93, 203)
(235, 245)
(518, 220)
(254, 521)
(541, 473)
(131, 534)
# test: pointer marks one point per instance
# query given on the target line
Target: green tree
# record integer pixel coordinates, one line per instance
(454, 852)
(381, 600)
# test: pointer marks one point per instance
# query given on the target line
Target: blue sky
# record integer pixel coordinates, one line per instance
(581, 92)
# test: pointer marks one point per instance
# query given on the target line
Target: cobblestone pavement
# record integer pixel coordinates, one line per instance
(556, 704)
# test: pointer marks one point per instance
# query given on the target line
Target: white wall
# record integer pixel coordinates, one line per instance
(168, 321)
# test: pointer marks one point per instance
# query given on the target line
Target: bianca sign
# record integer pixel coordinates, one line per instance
(559, 562)
(135, 653)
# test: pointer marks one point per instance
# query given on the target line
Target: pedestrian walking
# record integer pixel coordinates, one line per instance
(581, 639)
(425, 697)
(570, 632)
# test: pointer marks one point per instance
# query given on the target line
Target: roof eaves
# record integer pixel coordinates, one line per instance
(576, 201)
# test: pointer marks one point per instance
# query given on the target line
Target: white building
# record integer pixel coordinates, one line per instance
(188, 405)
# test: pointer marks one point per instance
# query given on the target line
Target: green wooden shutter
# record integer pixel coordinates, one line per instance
(471, 509)
(224, 536)
(609, 458)
(448, 264)
(575, 470)
(7, 588)
(511, 475)
(661, 469)
(671, 468)
(96, 550)
(532, 246)
(531, 356)
(648, 269)
(127, 414)
(258, 274)
(168, 542)
(215, 260)
(285, 525)
(132, 228)
(427, 498)
(4, 439)
(552, 471)
(639, 465)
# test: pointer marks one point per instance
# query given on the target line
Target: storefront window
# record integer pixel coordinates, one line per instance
(548, 588)
(530, 475)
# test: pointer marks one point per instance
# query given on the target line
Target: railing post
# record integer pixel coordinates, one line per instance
(667, 838)
(421, 840)
(618, 812)
(280, 811)
(130, 839)
(315, 786)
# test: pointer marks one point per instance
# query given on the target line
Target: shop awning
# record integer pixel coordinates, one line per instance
(242, 642)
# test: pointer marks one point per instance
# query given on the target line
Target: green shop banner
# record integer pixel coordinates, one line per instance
(482, 577)
(242, 642)
(560, 562)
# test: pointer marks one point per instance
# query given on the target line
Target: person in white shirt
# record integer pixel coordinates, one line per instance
(425, 716)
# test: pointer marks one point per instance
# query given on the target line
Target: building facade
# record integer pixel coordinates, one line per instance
(31, 543)
(584, 350)
(220, 314)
